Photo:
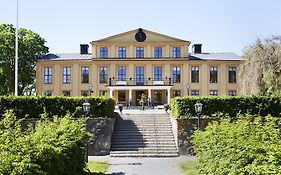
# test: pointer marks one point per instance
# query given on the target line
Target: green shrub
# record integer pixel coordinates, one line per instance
(213, 106)
(246, 146)
(34, 106)
(51, 147)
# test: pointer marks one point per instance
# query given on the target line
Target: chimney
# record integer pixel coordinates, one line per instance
(197, 48)
(84, 48)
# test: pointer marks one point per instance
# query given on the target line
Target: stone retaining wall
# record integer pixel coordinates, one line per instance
(184, 128)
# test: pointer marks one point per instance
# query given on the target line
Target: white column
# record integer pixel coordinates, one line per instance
(168, 95)
(110, 93)
(130, 94)
(149, 93)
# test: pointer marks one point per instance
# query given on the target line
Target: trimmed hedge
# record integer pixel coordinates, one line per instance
(32, 107)
(245, 146)
(183, 107)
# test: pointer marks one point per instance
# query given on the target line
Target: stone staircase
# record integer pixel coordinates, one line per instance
(143, 135)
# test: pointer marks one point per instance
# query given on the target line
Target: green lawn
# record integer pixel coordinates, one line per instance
(189, 167)
(98, 167)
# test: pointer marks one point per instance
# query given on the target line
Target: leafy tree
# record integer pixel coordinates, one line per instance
(249, 145)
(31, 47)
(45, 147)
(260, 72)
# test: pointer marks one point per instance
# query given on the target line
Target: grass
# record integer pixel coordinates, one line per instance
(189, 167)
(98, 167)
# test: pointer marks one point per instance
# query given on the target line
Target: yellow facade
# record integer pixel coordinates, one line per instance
(112, 62)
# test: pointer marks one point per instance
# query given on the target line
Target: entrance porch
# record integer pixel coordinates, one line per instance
(131, 95)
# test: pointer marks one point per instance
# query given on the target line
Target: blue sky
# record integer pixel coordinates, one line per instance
(220, 25)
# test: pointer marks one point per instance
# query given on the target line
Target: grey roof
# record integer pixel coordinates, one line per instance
(230, 56)
(67, 56)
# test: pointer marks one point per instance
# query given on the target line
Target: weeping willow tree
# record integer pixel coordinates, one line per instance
(260, 73)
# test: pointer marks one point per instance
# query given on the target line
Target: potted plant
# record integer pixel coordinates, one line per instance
(120, 106)
(142, 101)
(166, 107)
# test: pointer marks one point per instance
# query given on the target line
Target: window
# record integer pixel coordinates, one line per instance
(121, 73)
(195, 74)
(213, 74)
(140, 52)
(103, 74)
(121, 96)
(84, 75)
(47, 75)
(194, 92)
(66, 75)
(139, 75)
(66, 93)
(232, 74)
(48, 93)
(177, 93)
(213, 92)
(122, 52)
(176, 52)
(176, 74)
(104, 52)
(84, 93)
(102, 93)
(157, 73)
(157, 52)
(232, 93)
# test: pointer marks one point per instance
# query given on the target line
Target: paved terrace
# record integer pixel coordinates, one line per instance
(137, 110)
(143, 166)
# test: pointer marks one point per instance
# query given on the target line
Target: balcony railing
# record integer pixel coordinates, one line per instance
(139, 82)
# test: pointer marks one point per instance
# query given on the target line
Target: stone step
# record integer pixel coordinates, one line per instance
(152, 149)
(117, 125)
(146, 152)
(143, 118)
(143, 137)
(144, 155)
(140, 120)
(117, 143)
(143, 131)
(132, 139)
(146, 122)
(143, 124)
(144, 134)
(148, 135)
(155, 146)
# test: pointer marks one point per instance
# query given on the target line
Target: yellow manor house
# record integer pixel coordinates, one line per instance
(137, 62)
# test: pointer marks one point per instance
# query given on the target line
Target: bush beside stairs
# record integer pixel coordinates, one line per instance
(143, 135)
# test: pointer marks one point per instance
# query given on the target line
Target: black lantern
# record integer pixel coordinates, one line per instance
(198, 107)
(86, 106)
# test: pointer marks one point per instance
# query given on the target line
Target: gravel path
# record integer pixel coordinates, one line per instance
(143, 166)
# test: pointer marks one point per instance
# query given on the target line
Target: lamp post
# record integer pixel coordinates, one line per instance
(16, 51)
(86, 108)
(198, 109)
(187, 87)
(90, 89)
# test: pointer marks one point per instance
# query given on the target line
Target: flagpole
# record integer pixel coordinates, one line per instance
(16, 52)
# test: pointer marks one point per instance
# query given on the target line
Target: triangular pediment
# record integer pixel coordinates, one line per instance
(150, 37)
